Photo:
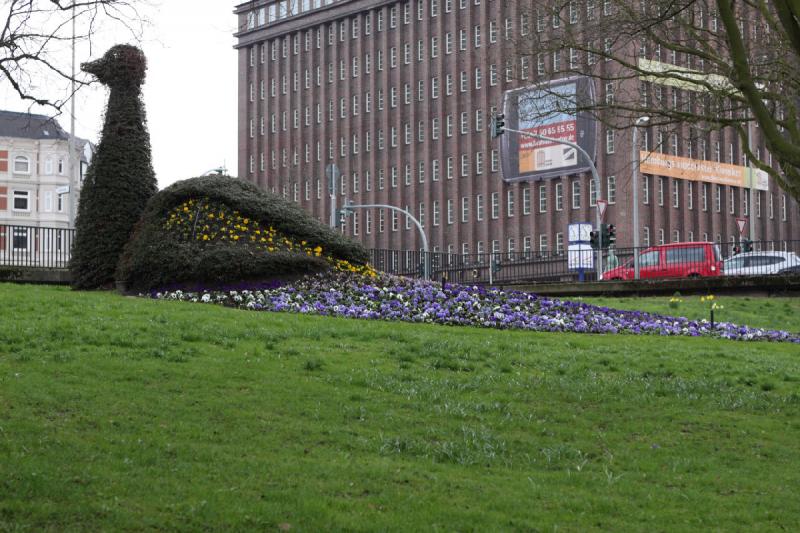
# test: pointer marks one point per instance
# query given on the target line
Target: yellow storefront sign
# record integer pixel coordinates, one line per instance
(700, 170)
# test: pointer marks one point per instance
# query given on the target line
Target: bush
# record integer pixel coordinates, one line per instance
(217, 229)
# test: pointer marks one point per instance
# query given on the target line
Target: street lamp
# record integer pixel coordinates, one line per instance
(426, 269)
(760, 87)
(219, 171)
(635, 161)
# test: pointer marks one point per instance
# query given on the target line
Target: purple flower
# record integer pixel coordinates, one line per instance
(393, 298)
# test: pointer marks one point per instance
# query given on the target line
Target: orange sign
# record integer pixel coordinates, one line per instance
(700, 170)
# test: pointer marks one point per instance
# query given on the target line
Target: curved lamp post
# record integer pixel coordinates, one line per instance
(641, 121)
(427, 259)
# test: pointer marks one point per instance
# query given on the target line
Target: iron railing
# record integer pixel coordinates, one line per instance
(673, 260)
(35, 247)
(49, 248)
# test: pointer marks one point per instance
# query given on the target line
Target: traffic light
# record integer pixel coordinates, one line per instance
(747, 245)
(612, 235)
(341, 216)
(594, 239)
(498, 125)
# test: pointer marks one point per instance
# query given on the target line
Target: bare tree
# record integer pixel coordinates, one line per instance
(693, 66)
(37, 35)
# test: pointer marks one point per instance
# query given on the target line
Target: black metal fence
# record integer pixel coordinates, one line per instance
(49, 248)
(35, 247)
(673, 260)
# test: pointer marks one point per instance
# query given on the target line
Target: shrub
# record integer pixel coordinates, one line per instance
(217, 229)
(120, 180)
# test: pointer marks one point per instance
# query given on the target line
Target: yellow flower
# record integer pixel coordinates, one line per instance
(205, 237)
(235, 237)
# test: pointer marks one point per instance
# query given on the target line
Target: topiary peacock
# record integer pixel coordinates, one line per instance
(120, 180)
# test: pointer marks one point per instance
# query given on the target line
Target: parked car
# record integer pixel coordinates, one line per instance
(676, 260)
(760, 263)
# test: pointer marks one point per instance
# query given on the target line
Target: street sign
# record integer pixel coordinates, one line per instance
(579, 232)
(580, 256)
(602, 205)
(64, 189)
(332, 172)
(741, 223)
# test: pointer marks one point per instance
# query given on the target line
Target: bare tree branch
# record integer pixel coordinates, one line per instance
(694, 66)
(36, 35)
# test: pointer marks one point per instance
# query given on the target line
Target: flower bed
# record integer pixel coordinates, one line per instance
(393, 298)
(208, 221)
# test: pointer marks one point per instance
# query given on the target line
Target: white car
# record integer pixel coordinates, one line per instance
(759, 263)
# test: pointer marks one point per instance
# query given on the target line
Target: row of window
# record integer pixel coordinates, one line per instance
(411, 91)
(277, 11)
(575, 198)
(437, 166)
(528, 242)
(21, 201)
(690, 187)
(282, 9)
(22, 165)
(494, 198)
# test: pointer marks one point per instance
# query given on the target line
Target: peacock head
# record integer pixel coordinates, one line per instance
(122, 65)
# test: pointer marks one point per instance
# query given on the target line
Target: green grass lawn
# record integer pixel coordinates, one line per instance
(123, 413)
(773, 313)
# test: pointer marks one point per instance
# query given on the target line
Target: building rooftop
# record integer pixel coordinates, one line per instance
(30, 126)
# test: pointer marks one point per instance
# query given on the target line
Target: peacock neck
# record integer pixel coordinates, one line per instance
(125, 111)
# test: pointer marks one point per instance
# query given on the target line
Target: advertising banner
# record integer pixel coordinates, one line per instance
(674, 166)
(548, 109)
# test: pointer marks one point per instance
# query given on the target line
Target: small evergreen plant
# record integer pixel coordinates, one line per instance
(120, 179)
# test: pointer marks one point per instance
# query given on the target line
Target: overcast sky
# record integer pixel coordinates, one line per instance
(189, 93)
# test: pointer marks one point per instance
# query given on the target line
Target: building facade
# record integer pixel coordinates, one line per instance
(400, 94)
(37, 189)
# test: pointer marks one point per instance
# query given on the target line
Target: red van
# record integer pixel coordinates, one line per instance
(676, 260)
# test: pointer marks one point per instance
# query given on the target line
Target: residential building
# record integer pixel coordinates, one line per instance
(37, 188)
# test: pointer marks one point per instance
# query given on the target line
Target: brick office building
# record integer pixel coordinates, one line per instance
(399, 95)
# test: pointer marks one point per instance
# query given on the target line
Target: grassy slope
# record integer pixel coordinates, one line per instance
(120, 413)
(773, 313)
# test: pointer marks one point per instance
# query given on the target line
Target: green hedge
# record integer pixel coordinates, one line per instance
(158, 256)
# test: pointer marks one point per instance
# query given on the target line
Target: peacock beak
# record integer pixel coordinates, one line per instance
(93, 67)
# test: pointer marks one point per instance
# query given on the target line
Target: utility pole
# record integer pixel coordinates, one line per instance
(73, 179)
(333, 174)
